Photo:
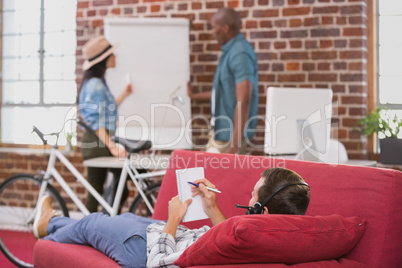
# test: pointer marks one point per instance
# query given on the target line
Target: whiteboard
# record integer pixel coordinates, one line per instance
(153, 54)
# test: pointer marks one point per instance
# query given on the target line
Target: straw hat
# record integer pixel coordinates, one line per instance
(96, 50)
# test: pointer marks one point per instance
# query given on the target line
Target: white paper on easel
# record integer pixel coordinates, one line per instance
(195, 211)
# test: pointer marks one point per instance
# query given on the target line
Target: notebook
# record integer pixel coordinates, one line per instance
(195, 211)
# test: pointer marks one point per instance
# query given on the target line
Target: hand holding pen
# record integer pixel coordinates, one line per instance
(209, 188)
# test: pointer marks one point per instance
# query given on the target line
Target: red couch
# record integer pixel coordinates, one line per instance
(371, 194)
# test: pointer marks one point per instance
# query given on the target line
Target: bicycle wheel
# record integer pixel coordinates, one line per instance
(139, 207)
(18, 197)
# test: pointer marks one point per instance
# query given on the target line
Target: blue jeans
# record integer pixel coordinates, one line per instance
(122, 238)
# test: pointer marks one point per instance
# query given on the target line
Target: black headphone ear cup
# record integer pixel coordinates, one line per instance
(257, 208)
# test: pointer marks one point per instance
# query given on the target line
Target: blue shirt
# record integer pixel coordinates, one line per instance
(97, 105)
(237, 63)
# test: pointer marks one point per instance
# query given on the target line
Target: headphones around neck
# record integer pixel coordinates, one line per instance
(258, 208)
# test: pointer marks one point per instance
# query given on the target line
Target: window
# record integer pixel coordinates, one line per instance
(38, 84)
(389, 56)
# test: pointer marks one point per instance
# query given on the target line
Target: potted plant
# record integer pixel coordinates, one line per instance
(387, 126)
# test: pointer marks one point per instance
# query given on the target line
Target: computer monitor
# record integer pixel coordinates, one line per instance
(298, 121)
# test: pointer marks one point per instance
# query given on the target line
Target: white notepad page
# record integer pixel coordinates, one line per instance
(195, 211)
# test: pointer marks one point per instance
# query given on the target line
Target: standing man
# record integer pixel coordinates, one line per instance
(234, 96)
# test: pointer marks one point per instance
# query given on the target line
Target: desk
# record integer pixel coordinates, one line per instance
(352, 162)
(137, 161)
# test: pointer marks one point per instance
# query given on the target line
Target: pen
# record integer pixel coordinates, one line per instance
(209, 188)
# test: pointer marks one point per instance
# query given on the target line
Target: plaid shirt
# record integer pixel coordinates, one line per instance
(163, 249)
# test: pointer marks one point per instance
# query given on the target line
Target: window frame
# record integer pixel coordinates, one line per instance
(41, 77)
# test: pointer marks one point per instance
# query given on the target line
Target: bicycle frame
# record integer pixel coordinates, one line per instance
(126, 170)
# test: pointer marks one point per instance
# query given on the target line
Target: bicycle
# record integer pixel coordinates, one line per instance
(20, 193)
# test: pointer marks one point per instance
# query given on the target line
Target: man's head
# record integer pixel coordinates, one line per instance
(292, 199)
(225, 24)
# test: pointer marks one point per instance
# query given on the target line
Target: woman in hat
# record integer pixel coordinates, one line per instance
(98, 109)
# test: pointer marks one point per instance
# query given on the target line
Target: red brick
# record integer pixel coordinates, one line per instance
(266, 24)
(197, 26)
(141, 9)
(207, 57)
(358, 20)
(323, 66)
(278, 67)
(356, 77)
(263, 13)
(205, 37)
(341, 20)
(233, 4)
(311, 21)
(353, 100)
(295, 44)
(266, 78)
(326, 43)
(182, 7)
(155, 8)
(153, 1)
(116, 11)
(356, 66)
(357, 31)
(102, 3)
(264, 45)
(295, 23)
(291, 78)
(309, 44)
(352, 54)
(357, 111)
(263, 34)
(91, 13)
(125, 2)
(296, 11)
(357, 43)
(251, 24)
(205, 78)
(308, 66)
(267, 56)
(327, 20)
(323, 55)
(294, 55)
(82, 4)
(325, 10)
(293, 2)
(213, 47)
(322, 77)
(279, 45)
(214, 5)
(292, 66)
(357, 9)
(96, 23)
(263, 2)
(325, 32)
(294, 34)
(280, 23)
(248, 3)
(340, 65)
(103, 12)
(196, 5)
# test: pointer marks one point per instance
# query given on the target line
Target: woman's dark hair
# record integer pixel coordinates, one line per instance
(98, 70)
(291, 200)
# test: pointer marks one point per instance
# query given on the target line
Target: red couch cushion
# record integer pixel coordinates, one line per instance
(275, 239)
(52, 254)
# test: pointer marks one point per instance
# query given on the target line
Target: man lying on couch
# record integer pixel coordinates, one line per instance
(128, 238)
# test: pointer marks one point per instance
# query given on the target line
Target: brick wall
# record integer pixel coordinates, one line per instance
(299, 43)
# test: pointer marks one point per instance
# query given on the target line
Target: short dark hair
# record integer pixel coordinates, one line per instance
(228, 16)
(291, 200)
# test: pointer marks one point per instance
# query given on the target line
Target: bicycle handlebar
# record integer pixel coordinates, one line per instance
(40, 134)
